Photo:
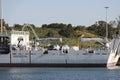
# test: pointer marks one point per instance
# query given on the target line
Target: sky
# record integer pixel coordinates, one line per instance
(75, 12)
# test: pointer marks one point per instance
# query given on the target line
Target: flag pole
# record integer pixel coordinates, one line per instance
(1, 16)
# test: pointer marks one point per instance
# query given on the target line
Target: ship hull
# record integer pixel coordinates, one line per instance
(57, 59)
(38, 59)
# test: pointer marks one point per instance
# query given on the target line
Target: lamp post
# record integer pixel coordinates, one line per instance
(1, 15)
(106, 37)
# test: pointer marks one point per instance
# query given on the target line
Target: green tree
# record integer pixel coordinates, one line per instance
(44, 26)
(98, 28)
(67, 31)
(118, 25)
(17, 27)
(5, 25)
(50, 34)
(80, 28)
(54, 25)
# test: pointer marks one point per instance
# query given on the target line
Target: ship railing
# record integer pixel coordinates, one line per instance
(96, 51)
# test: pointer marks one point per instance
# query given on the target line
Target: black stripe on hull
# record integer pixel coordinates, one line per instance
(50, 65)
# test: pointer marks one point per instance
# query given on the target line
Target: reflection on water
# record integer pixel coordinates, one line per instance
(59, 74)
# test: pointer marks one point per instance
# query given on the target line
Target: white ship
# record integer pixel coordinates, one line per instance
(16, 51)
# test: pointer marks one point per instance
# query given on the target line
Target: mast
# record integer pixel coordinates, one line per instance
(1, 22)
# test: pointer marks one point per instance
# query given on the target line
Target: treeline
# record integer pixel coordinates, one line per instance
(99, 28)
(70, 31)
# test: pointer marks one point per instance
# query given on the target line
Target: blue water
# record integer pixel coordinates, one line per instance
(59, 74)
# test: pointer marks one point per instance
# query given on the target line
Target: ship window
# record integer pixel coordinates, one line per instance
(45, 52)
(84, 53)
(97, 53)
(91, 51)
(104, 54)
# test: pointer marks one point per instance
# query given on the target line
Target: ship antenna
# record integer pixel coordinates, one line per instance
(1, 22)
(106, 37)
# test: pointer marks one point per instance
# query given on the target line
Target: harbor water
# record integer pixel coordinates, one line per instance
(59, 73)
